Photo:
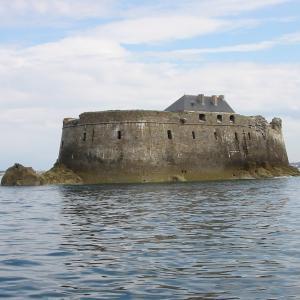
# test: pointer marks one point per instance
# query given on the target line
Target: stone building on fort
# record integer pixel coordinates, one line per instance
(195, 138)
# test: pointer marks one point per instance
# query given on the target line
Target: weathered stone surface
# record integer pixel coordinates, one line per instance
(59, 174)
(19, 175)
(266, 170)
(155, 146)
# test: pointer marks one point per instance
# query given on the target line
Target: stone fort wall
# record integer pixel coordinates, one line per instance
(153, 146)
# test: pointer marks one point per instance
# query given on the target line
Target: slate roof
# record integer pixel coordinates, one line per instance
(200, 103)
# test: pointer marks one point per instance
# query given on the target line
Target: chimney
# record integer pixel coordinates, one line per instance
(215, 100)
(221, 97)
(201, 99)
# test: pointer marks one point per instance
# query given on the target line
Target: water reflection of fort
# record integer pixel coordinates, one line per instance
(129, 239)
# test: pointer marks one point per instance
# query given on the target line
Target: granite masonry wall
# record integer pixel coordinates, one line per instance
(155, 146)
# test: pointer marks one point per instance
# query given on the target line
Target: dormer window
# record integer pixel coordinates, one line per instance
(219, 118)
(232, 119)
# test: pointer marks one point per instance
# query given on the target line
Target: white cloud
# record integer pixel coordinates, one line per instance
(203, 8)
(77, 9)
(61, 12)
(214, 8)
(192, 54)
(163, 28)
(41, 85)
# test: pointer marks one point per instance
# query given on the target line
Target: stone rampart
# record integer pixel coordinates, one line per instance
(154, 146)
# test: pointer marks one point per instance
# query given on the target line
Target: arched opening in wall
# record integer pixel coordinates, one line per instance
(119, 134)
(219, 118)
(193, 135)
(249, 136)
(232, 119)
(215, 135)
(202, 117)
(84, 136)
(170, 134)
(236, 136)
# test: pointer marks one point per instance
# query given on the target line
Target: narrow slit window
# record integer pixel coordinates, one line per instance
(236, 136)
(215, 135)
(119, 134)
(170, 134)
(93, 135)
(202, 117)
(232, 119)
(84, 136)
(219, 118)
(249, 136)
(193, 135)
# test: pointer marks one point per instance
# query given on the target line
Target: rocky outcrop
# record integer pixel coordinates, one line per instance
(266, 170)
(59, 174)
(19, 175)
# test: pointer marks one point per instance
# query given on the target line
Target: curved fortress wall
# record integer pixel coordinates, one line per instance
(143, 146)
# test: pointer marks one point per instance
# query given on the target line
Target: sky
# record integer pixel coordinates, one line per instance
(59, 58)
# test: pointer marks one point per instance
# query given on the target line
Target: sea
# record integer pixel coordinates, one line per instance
(195, 241)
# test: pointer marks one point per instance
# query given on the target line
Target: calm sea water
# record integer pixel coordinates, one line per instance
(216, 240)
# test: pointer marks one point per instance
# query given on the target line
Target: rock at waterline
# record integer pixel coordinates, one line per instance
(60, 174)
(18, 175)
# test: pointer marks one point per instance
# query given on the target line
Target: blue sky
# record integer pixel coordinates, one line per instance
(62, 57)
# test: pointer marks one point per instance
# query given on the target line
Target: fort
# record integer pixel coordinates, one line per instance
(196, 138)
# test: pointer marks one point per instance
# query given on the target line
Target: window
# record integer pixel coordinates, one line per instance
(249, 135)
(232, 119)
(202, 117)
(193, 134)
(215, 134)
(170, 134)
(93, 135)
(219, 118)
(236, 136)
(183, 120)
(84, 136)
(119, 134)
